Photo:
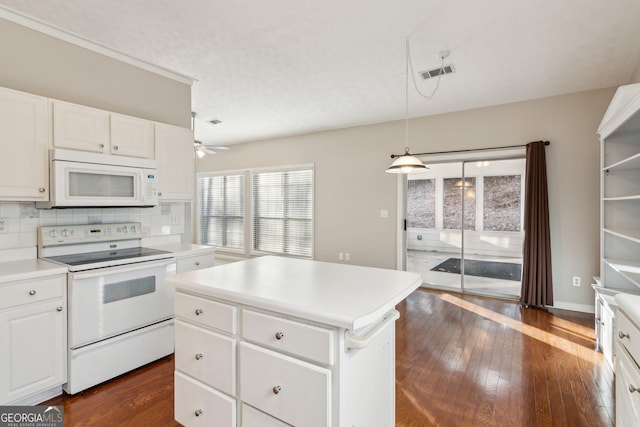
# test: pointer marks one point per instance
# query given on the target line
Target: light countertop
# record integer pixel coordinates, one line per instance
(339, 295)
(185, 249)
(630, 304)
(27, 269)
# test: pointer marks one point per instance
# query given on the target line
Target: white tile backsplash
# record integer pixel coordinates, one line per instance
(21, 220)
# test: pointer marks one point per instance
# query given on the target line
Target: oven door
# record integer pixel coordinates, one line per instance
(106, 302)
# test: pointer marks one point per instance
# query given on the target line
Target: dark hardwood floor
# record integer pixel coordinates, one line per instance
(461, 361)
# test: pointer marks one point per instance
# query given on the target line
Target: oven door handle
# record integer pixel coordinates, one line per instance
(99, 272)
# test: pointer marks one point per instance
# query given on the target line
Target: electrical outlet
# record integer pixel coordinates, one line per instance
(576, 280)
(341, 256)
(347, 257)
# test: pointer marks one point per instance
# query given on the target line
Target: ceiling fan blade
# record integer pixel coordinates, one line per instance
(215, 147)
(206, 150)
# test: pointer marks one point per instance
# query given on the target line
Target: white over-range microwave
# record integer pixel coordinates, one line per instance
(83, 179)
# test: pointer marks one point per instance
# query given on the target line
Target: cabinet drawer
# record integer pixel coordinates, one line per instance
(627, 397)
(207, 356)
(194, 263)
(296, 392)
(209, 313)
(628, 334)
(199, 405)
(251, 417)
(298, 339)
(32, 291)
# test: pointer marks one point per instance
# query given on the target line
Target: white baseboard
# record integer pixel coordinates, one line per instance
(584, 308)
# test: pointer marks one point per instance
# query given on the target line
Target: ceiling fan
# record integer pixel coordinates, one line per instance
(200, 147)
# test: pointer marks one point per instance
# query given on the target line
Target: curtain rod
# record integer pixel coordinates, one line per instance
(393, 156)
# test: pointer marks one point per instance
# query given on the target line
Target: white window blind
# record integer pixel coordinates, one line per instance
(221, 208)
(283, 212)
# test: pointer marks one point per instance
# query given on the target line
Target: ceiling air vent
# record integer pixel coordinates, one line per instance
(446, 69)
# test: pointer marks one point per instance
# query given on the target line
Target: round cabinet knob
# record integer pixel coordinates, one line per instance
(622, 335)
(199, 311)
(100, 145)
(53, 233)
(42, 189)
(64, 233)
(115, 148)
(276, 389)
(59, 309)
(199, 356)
(32, 292)
(197, 263)
(198, 412)
(279, 335)
(632, 389)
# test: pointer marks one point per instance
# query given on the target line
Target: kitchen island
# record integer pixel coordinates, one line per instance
(277, 341)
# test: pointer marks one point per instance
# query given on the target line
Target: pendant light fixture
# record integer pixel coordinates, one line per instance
(406, 163)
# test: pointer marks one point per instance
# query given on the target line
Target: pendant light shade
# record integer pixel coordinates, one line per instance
(406, 163)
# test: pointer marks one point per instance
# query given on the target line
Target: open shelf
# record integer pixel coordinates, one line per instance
(632, 162)
(622, 198)
(633, 235)
(630, 270)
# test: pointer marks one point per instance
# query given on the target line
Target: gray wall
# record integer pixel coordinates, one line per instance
(37, 63)
(636, 76)
(351, 187)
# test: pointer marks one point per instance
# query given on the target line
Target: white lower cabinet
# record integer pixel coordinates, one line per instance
(255, 368)
(197, 404)
(627, 371)
(294, 391)
(33, 321)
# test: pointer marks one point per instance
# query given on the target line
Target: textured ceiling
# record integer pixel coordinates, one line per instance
(280, 67)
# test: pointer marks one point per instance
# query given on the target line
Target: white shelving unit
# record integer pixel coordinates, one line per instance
(619, 211)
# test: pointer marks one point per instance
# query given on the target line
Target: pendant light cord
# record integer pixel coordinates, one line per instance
(413, 74)
(406, 97)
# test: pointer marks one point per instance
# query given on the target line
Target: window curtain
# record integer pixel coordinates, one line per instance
(537, 282)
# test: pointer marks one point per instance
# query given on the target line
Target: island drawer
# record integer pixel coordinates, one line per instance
(194, 262)
(205, 355)
(199, 405)
(251, 417)
(30, 291)
(206, 312)
(289, 389)
(628, 334)
(299, 339)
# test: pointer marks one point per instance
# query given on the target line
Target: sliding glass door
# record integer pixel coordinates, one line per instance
(464, 225)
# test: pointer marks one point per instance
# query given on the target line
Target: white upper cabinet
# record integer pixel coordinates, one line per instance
(175, 156)
(80, 128)
(84, 128)
(24, 140)
(131, 136)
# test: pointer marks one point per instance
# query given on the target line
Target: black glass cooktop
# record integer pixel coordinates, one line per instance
(95, 257)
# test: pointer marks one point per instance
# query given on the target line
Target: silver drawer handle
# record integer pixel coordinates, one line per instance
(115, 148)
(199, 311)
(632, 389)
(276, 389)
(41, 189)
(59, 308)
(32, 292)
(198, 412)
(199, 356)
(622, 335)
(100, 145)
(279, 335)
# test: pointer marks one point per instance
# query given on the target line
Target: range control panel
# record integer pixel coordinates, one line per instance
(75, 234)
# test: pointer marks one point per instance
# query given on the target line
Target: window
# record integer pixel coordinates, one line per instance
(502, 195)
(221, 211)
(421, 203)
(283, 212)
(277, 218)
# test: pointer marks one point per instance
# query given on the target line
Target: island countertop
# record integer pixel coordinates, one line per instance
(345, 296)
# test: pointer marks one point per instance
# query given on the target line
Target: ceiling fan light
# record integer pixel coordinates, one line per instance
(199, 153)
(406, 163)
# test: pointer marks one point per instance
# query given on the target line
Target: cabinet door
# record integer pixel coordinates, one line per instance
(80, 128)
(131, 136)
(24, 140)
(33, 351)
(175, 156)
